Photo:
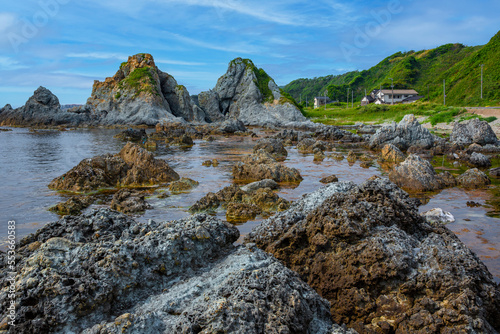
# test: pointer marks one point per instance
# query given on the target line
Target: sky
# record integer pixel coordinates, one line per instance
(64, 45)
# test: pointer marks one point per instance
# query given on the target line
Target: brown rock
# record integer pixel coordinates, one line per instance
(382, 267)
(133, 166)
(183, 185)
(242, 211)
(262, 165)
(329, 179)
(72, 206)
(473, 179)
(129, 201)
(391, 153)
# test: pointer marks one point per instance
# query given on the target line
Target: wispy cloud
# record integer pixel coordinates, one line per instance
(97, 55)
(240, 48)
(7, 63)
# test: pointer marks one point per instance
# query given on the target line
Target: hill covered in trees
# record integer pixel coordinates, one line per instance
(423, 71)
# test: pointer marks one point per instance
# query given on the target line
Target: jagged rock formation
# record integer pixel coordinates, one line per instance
(473, 131)
(391, 154)
(250, 95)
(139, 93)
(133, 166)
(417, 174)
(43, 108)
(103, 272)
(382, 267)
(403, 135)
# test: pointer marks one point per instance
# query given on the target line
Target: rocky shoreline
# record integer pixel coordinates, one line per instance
(346, 258)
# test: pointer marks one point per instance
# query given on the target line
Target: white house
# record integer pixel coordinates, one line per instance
(321, 101)
(386, 95)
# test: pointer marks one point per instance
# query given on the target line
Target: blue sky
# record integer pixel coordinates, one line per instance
(65, 45)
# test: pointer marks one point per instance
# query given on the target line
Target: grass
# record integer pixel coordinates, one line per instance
(140, 80)
(375, 114)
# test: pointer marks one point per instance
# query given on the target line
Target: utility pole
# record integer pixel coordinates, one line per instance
(482, 65)
(352, 99)
(392, 86)
(428, 96)
(348, 98)
(444, 91)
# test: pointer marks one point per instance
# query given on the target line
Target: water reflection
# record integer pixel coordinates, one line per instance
(30, 160)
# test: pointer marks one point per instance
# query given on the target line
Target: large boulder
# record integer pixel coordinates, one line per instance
(473, 131)
(41, 109)
(409, 132)
(473, 179)
(261, 165)
(106, 273)
(249, 94)
(382, 267)
(133, 166)
(417, 174)
(209, 102)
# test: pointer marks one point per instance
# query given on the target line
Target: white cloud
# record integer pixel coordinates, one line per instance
(240, 48)
(97, 55)
(7, 63)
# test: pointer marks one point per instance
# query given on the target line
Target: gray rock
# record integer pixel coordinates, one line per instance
(473, 131)
(479, 160)
(239, 95)
(231, 126)
(495, 172)
(406, 133)
(473, 179)
(209, 101)
(246, 292)
(417, 174)
(267, 183)
(41, 109)
(103, 272)
(437, 216)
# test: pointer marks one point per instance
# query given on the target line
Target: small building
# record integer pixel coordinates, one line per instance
(367, 100)
(385, 96)
(321, 101)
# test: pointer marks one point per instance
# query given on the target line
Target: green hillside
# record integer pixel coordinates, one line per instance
(423, 71)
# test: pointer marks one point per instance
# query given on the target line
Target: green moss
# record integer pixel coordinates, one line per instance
(118, 95)
(287, 98)
(123, 64)
(140, 80)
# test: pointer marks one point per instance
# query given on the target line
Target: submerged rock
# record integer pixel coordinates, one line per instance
(473, 131)
(329, 179)
(133, 135)
(272, 146)
(129, 201)
(244, 203)
(73, 206)
(406, 133)
(261, 165)
(473, 179)
(133, 166)
(104, 272)
(417, 174)
(183, 185)
(382, 267)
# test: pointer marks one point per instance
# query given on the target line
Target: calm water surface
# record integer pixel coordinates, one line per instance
(30, 160)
